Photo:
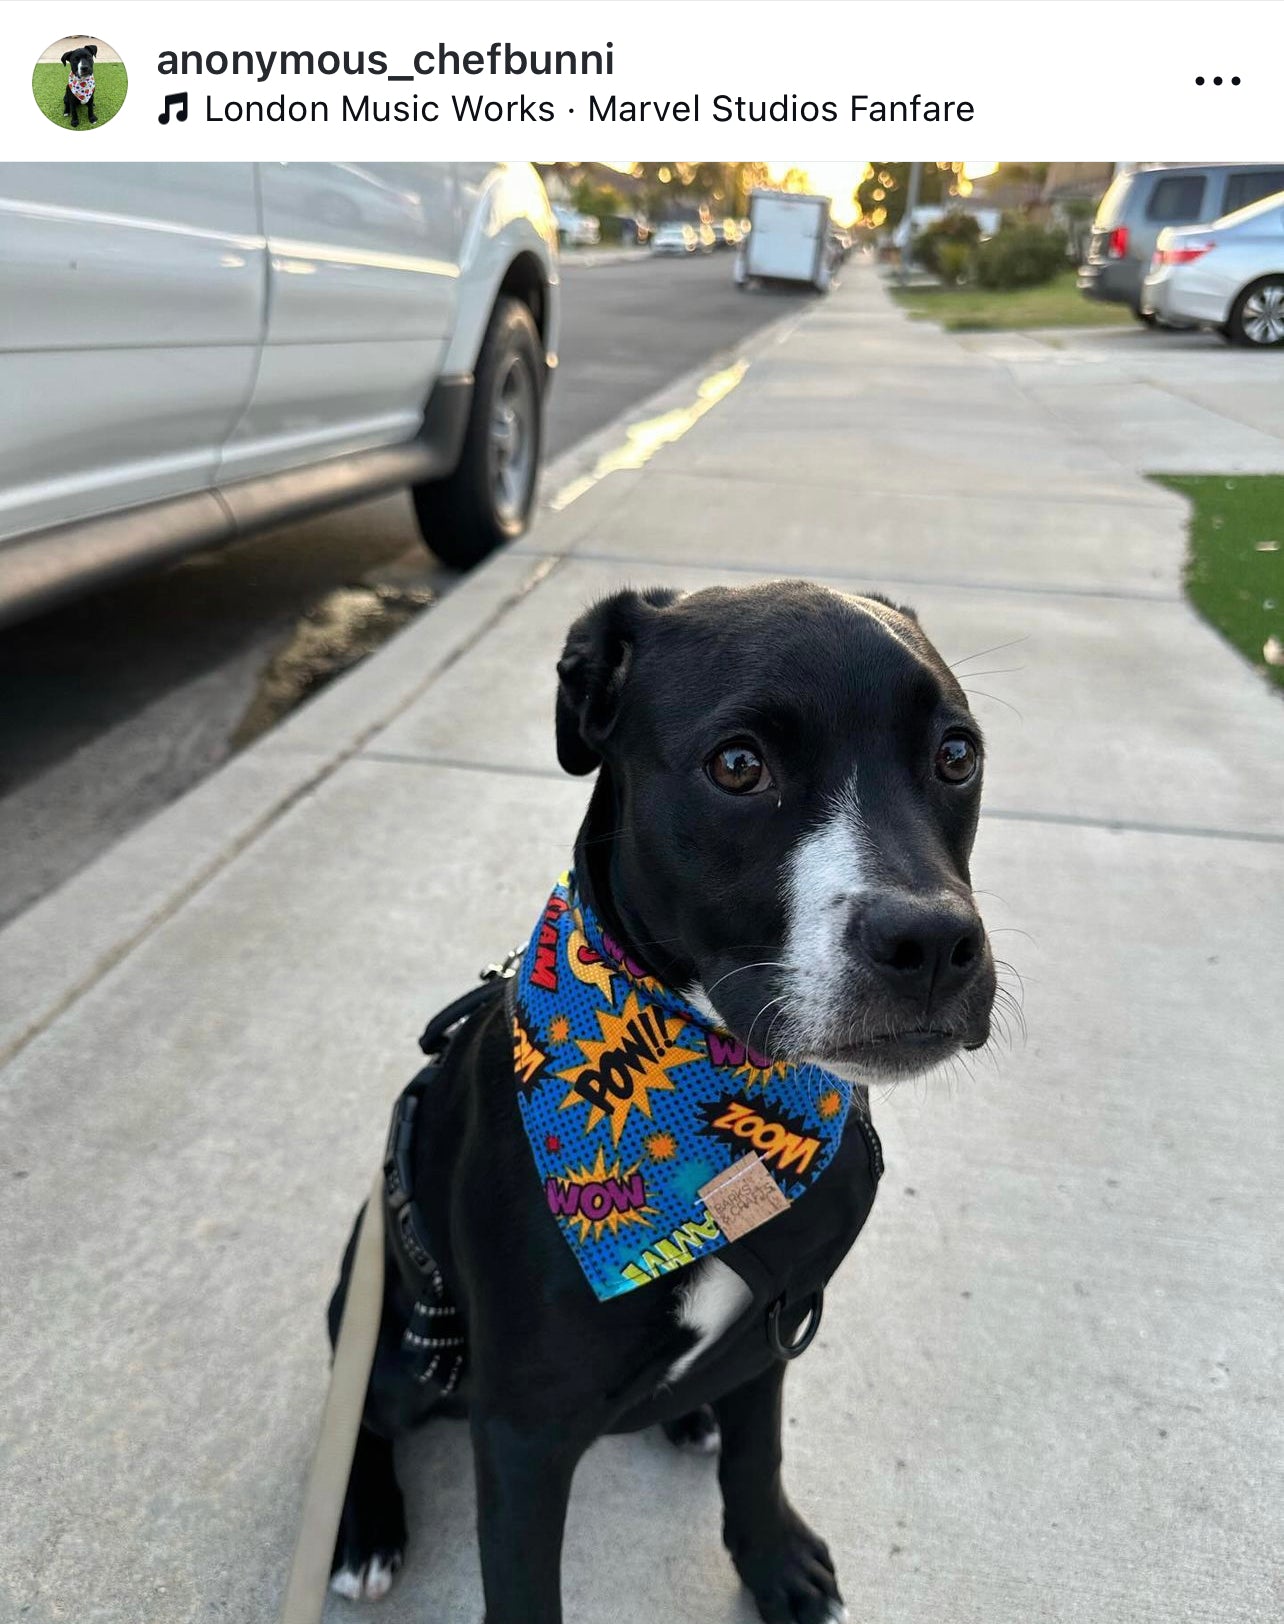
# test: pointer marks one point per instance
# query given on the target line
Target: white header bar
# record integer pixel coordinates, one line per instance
(771, 80)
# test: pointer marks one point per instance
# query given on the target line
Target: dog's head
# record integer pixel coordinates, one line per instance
(80, 60)
(789, 790)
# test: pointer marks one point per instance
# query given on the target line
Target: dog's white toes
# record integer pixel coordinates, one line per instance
(370, 1583)
(379, 1579)
(708, 1443)
(347, 1582)
(837, 1613)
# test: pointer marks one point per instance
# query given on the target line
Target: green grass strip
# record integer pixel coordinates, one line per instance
(49, 81)
(1235, 568)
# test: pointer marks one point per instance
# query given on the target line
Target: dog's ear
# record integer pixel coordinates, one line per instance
(593, 669)
(92, 49)
(66, 57)
(900, 608)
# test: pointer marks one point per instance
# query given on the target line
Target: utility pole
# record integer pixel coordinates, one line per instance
(911, 203)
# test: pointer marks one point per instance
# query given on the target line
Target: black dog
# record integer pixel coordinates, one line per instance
(788, 789)
(80, 83)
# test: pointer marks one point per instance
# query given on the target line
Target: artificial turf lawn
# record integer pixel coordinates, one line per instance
(49, 81)
(1235, 571)
(982, 310)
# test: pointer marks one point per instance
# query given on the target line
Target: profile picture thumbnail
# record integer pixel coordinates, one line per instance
(79, 82)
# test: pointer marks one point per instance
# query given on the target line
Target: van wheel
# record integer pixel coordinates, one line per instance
(1257, 316)
(488, 499)
(1147, 318)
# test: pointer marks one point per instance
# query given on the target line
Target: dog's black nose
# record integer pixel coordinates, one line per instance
(920, 948)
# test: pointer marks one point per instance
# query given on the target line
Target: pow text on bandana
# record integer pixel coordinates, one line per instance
(632, 1104)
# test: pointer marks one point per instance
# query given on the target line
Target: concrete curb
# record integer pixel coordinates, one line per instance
(59, 948)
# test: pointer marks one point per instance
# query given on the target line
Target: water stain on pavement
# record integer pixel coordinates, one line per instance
(336, 633)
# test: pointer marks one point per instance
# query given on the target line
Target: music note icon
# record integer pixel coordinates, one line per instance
(177, 100)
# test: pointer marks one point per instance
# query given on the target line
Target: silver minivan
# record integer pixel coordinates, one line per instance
(1137, 207)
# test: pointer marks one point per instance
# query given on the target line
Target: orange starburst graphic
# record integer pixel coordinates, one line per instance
(637, 1051)
(760, 1076)
(830, 1103)
(527, 1059)
(660, 1146)
(602, 1198)
(559, 1029)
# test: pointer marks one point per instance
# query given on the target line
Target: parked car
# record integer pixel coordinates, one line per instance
(726, 234)
(191, 352)
(576, 230)
(1137, 206)
(634, 230)
(706, 242)
(674, 237)
(1229, 275)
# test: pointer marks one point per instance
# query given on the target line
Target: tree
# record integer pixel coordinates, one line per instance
(599, 201)
(881, 194)
(686, 188)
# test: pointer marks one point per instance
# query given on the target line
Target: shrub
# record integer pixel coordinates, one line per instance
(945, 247)
(1020, 257)
(953, 260)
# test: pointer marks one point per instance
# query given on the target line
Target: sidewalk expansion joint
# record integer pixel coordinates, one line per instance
(879, 493)
(403, 758)
(1139, 826)
(826, 572)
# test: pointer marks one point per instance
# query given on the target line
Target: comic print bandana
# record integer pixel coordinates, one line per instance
(632, 1104)
(81, 89)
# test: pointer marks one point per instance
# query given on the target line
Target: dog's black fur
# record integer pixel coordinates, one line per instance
(690, 877)
(80, 62)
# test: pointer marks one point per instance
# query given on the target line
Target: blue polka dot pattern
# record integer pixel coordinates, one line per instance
(632, 1103)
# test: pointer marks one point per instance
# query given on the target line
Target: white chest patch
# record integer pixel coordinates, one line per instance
(709, 1306)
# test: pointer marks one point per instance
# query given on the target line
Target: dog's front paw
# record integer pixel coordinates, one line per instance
(369, 1550)
(371, 1580)
(790, 1574)
(697, 1431)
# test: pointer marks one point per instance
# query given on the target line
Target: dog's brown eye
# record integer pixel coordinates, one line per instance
(956, 759)
(739, 769)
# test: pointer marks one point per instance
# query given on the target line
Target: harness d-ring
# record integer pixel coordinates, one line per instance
(815, 1308)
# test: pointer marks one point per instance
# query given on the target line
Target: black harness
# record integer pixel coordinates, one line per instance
(434, 1343)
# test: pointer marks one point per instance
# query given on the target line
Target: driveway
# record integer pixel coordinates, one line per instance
(1157, 402)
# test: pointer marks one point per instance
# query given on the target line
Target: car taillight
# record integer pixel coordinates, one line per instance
(1182, 256)
(1117, 243)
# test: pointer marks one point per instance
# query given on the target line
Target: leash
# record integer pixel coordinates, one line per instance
(358, 1336)
(327, 1485)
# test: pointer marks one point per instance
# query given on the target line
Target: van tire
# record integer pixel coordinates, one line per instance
(488, 499)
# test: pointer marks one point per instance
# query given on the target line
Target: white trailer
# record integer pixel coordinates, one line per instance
(788, 240)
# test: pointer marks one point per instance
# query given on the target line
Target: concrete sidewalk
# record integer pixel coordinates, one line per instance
(1047, 1386)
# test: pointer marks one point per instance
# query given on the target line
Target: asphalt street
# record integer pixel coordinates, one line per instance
(119, 702)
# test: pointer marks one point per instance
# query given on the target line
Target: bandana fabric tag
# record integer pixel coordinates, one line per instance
(657, 1139)
(743, 1197)
(81, 89)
